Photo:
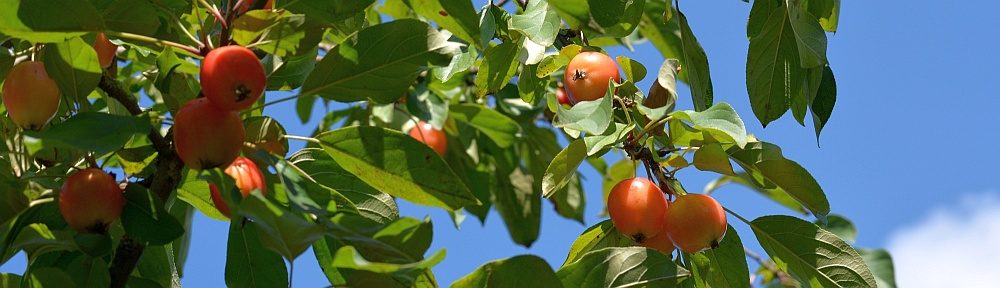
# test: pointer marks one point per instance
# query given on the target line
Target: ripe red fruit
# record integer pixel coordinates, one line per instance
(588, 74)
(90, 200)
(426, 133)
(31, 97)
(696, 222)
(232, 77)
(562, 97)
(206, 136)
(637, 208)
(105, 50)
(248, 177)
(661, 241)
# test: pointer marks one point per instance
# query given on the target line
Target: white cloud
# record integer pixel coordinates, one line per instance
(955, 246)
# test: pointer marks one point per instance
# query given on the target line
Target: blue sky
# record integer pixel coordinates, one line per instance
(906, 155)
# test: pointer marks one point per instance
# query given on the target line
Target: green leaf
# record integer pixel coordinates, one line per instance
(132, 16)
(622, 267)
(517, 271)
(44, 211)
(414, 173)
(381, 66)
(460, 63)
(330, 12)
(597, 143)
(711, 157)
(797, 182)
(550, 64)
(880, 263)
(137, 161)
(281, 33)
(809, 35)
(13, 201)
(569, 202)
(663, 92)
(248, 262)
(531, 88)
(37, 239)
(518, 203)
(181, 246)
(48, 21)
(404, 241)
(592, 117)
(96, 132)
(665, 35)
(348, 257)
(828, 12)
(498, 127)
(538, 22)
(617, 18)
(303, 193)
(73, 64)
(695, 66)
(195, 191)
(720, 120)
(290, 72)
(145, 218)
(497, 68)
(774, 193)
(458, 17)
(563, 167)
(576, 13)
(823, 101)
(6, 63)
(372, 204)
(48, 277)
(156, 265)
(840, 226)
(810, 254)
(724, 266)
(10, 280)
(775, 74)
(282, 231)
(602, 235)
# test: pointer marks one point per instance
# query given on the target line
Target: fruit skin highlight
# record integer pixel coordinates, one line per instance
(696, 222)
(205, 136)
(248, 177)
(427, 134)
(31, 97)
(105, 50)
(637, 208)
(90, 200)
(232, 78)
(588, 74)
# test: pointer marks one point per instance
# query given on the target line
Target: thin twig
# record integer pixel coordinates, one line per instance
(190, 50)
(782, 276)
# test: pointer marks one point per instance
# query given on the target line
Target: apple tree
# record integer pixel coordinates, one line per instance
(122, 118)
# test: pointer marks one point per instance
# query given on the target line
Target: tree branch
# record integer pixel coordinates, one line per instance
(782, 276)
(162, 183)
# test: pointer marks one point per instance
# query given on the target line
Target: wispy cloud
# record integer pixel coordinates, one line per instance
(957, 245)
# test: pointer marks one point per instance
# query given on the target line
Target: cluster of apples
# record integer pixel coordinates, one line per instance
(208, 131)
(90, 199)
(693, 222)
(638, 208)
